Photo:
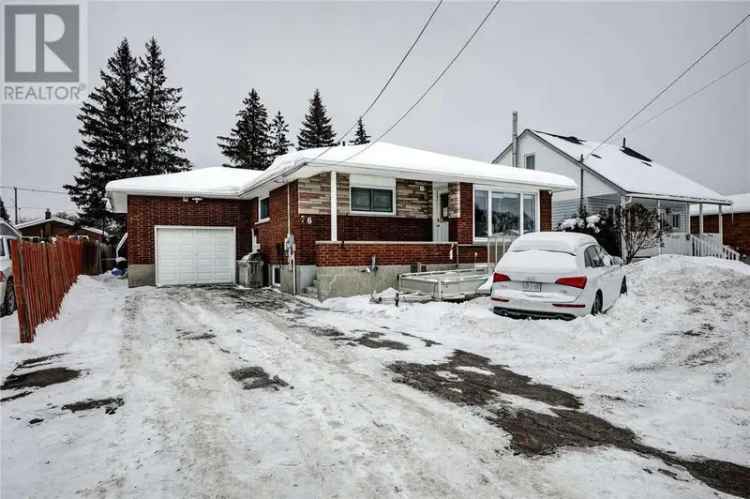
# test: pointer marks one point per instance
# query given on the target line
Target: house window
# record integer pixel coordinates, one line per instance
(275, 275)
(506, 214)
(372, 200)
(675, 220)
(263, 213)
(530, 160)
(481, 211)
(512, 213)
(529, 213)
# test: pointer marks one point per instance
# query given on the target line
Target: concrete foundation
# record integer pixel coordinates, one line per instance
(305, 277)
(141, 275)
(351, 281)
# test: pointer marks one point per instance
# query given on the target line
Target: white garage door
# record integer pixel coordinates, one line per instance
(194, 255)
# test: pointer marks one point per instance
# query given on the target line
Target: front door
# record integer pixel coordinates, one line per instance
(440, 215)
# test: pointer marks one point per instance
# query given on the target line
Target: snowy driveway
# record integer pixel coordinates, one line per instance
(669, 362)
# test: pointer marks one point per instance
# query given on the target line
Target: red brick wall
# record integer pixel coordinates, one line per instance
(736, 230)
(545, 210)
(271, 234)
(144, 212)
(461, 229)
(359, 254)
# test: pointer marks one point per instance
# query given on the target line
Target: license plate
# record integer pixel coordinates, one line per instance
(534, 287)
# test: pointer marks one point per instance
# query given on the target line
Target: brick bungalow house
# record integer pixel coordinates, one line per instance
(735, 224)
(346, 221)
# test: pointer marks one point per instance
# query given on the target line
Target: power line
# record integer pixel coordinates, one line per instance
(390, 78)
(32, 189)
(672, 83)
(433, 84)
(691, 95)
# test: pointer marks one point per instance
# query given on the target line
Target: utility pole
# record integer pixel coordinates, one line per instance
(15, 201)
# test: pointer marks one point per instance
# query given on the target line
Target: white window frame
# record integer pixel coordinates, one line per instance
(679, 220)
(260, 200)
(274, 283)
(372, 182)
(526, 156)
(490, 190)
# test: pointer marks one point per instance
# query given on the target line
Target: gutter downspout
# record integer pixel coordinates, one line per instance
(289, 238)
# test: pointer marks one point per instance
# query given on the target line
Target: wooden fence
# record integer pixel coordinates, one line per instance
(43, 273)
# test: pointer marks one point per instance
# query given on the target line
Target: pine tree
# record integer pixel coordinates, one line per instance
(360, 136)
(160, 116)
(110, 136)
(247, 145)
(3, 212)
(316, 130)
(278, 136)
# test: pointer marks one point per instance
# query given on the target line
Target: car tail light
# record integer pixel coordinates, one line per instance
(500, 277)
(576, 282)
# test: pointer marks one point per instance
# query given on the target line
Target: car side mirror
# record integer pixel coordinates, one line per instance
(616, 260)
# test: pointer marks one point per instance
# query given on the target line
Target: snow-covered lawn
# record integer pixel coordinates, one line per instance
(670, 361)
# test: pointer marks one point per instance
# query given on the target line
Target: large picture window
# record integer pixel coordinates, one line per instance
(503, 213)
(372, 200)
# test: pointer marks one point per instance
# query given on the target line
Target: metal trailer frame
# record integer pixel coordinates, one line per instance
(443, 284)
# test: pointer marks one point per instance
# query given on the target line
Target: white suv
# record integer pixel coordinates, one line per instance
(7, 292)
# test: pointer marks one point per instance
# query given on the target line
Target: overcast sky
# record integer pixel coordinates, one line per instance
(571, 68)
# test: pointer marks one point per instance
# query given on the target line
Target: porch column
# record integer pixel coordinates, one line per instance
(721, 227)
(658, 215)
(334, 209)
(700, 219)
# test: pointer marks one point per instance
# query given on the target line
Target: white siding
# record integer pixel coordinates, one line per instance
(549, 160)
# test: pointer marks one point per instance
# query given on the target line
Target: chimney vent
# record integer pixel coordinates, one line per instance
(47, 214)
(623, 143)
(514, 146)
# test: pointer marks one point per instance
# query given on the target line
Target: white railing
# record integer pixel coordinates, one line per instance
(708, 246)
(695, 245)
(497, 245)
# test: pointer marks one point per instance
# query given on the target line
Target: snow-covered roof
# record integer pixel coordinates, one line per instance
(740, 204)
(63, 221)
(630, 170)
(213, 182)
(552, 241)
(387, 159)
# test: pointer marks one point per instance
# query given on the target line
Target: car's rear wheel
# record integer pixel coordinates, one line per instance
(9, 302)
(596, 308)
(624, 287)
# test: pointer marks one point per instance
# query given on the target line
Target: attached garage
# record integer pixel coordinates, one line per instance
(194, 255)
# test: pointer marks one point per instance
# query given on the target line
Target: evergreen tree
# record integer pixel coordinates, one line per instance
(160, 116)
(110, 136)
(316, 130)
(247, 145)
(360, 136)
(3, 212)
(278, 134)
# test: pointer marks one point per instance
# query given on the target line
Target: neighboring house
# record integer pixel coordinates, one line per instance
(50, 226)
(735, 226)
(612, 177)
(393, 207)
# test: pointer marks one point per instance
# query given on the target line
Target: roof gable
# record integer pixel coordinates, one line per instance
(629, 170)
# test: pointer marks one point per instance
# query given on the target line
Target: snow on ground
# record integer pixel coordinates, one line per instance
(669, 361)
